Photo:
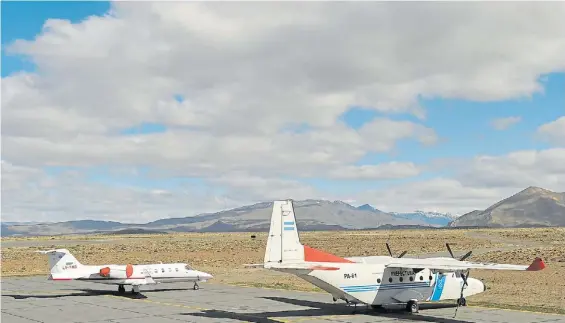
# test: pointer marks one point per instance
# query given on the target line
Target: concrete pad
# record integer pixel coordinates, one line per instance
(38, 300)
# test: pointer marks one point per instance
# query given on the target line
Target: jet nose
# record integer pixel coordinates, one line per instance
(205, 276)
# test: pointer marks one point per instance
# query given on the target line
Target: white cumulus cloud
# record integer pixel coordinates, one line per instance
(246, 73)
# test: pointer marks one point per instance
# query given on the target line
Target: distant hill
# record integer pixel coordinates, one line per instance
(532, 207)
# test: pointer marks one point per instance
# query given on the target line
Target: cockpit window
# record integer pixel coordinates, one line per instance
(187, 267)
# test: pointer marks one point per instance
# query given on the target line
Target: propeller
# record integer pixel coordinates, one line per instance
(390, 252)
(464, 277)
(465, 256)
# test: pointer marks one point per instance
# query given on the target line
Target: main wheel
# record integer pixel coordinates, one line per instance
(121, 289)
(412, 307)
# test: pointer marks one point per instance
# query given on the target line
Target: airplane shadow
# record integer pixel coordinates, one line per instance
(92, 292)
(324, 309)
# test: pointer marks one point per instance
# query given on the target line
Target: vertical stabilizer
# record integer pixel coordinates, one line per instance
(61, 262)
(283, 243)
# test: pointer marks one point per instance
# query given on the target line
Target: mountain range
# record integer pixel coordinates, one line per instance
(531, 207)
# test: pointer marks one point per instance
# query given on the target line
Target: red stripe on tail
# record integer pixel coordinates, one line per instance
(315, 255)
(536, 265)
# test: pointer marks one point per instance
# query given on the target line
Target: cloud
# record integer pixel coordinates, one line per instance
(247, 73)
(477, 184)
(505, 123)
(554, 131)
(393, 170)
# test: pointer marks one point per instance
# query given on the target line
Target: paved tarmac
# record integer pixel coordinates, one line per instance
(39, 300)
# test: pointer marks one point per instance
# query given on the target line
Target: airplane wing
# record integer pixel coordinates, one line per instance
(457, 265)
(299, 265)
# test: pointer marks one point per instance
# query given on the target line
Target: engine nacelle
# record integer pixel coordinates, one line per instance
(117, 272)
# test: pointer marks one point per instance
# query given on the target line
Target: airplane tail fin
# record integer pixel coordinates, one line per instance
(283, 243)
(61, 262)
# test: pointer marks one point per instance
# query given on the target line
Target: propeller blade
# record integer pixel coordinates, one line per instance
(449, 249)
(402, 254)
(464, 276)
(467, 255)
(388, 248)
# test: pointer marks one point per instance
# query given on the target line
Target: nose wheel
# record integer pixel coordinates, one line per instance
(412, 307)
(462, 301)
(196, 287)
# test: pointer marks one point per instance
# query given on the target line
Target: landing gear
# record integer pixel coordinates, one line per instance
(195, 287)
(462, 301)
(412, 307)
(121, 289)
(335, 299)
(135, 289)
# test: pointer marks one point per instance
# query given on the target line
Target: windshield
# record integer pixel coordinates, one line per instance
(187, 267)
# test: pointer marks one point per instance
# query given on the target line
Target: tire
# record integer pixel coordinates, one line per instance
(412, 307)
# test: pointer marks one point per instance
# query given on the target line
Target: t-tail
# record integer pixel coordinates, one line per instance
(284, 249)
(63, 265)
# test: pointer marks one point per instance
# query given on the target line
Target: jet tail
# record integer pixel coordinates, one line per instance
(62, 263)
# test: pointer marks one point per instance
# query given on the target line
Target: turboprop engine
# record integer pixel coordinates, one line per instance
(117, 272)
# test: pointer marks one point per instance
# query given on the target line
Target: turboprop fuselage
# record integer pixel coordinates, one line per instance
(375, 285)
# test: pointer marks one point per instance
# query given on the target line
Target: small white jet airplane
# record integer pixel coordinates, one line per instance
(64, 266)
(373, 280)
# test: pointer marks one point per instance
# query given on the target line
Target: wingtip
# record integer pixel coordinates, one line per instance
(536, 265)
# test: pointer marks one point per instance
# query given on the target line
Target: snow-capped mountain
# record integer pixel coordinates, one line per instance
(432, 218)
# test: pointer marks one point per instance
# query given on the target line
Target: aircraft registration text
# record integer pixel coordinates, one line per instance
(402, 273)
(347, 276)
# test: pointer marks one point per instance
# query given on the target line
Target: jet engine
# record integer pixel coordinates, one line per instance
(117, 272)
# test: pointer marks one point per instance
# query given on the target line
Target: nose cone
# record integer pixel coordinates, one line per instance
(205, 276)
(475, 287)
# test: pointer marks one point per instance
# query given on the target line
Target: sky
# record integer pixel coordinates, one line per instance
(136, 111)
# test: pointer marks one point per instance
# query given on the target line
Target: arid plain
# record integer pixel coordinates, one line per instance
(223, 255)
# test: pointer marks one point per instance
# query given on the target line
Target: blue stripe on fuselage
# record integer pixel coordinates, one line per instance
(438, 288)
(288, 223)
(288, 228)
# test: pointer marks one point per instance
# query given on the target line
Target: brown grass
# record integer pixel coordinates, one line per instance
(223, 255)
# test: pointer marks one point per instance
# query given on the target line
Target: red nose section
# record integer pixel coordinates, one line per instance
(536, 265)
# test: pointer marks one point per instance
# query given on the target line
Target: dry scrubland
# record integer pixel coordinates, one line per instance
(223, 255)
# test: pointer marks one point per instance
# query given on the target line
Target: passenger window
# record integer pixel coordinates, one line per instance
(421, 277)
(390, 280)
(176, 269)
(430, 277)
(401, 279)
(162, 270)
(156, 270)
(170, 270)
(378, 280)
(411, 278)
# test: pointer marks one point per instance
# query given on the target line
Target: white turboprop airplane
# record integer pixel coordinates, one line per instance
(64, 266)
(374, 280)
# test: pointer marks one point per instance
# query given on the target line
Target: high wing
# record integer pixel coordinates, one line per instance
(300, 265)
(447, 264)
